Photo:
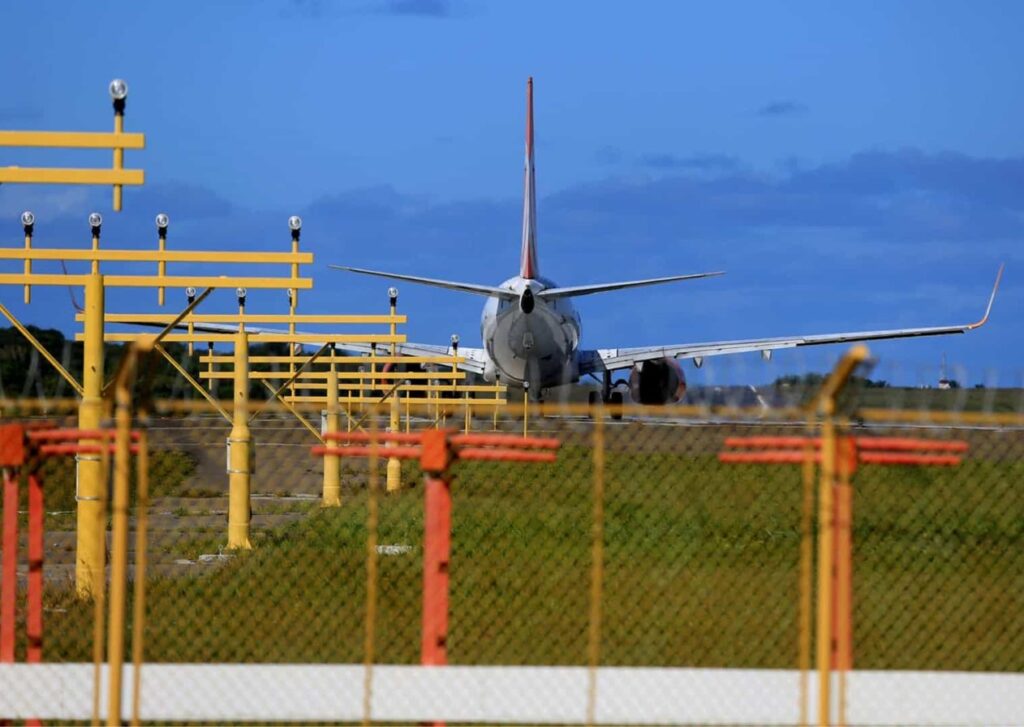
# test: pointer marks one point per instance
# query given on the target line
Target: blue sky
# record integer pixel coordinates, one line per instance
(855, 165)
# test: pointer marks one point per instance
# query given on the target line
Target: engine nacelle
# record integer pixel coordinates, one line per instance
(657, 382)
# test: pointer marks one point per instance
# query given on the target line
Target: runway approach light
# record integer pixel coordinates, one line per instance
(27, 220)
(190, 293)
(240, 294)
(393, 294)
(295, 223)
(162, 221)
(118, 89)
(95, 222)
(455, 342)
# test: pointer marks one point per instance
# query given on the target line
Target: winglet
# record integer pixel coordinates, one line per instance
(991, 300)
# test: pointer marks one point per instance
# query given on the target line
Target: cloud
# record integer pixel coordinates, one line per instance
(318, 9)
(12, 115)
(782, 108)
(608, 155)
(904, 196)
(424, 8)
(698, 162)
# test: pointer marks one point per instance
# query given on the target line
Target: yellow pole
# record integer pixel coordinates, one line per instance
(91, 489)
(394, 473)
(526, 412)
(332, 463)
(118, 152)
(119, 544)
(141, 522)
(806, 572)
(211, 382)
(28, 262)
(161, 266)
(292, 300)
(596, 570)
(239, 442)
(407, 412)
(825, 544)
(466, 397)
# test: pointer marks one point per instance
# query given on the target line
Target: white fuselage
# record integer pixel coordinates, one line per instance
(537, 348)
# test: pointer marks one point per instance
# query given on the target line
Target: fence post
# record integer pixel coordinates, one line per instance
(34, 604)
(831, 468)
(842, 590)
(435, 460)
(119, 541)
(596, 569)
(826, 553)
(9, 585)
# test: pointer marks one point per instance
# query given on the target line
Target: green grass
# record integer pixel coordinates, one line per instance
(701, 568)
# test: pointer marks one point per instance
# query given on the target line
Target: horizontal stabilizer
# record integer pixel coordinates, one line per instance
(577, 290)
(488, 290)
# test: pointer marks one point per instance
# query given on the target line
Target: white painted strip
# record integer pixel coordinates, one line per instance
(536, 695)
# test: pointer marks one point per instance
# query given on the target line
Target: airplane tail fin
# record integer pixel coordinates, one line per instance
(528, 255)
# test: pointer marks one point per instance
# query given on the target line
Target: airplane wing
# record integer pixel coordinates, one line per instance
(475, 358)
(620, 358)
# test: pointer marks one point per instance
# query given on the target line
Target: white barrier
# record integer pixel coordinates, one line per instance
(633, 695)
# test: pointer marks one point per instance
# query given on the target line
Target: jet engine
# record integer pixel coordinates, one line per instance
(659, 381)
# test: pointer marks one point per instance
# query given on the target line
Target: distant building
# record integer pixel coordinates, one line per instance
(944, 381)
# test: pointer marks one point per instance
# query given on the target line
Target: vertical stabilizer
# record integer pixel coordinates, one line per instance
(528, 254)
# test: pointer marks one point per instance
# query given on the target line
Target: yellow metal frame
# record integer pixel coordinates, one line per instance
(90, 546)
(116, 176)
(823, 406)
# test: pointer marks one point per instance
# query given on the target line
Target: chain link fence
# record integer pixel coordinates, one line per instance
(637, 579)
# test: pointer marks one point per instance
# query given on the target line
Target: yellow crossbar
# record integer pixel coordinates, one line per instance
(438, 388)
(73, 139)
(40, 175)
(162, 281)
(362, 359)
(235, 318)
(420, 402)
(321, 376)
(261, 337)
(157, 256)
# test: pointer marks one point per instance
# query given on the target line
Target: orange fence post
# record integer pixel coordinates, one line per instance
(839, 457)
(437, 450)
(34, 605)
(437, 537)
(12, 456)
(9, 584)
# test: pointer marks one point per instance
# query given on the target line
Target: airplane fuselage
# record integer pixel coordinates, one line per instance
(530, 340)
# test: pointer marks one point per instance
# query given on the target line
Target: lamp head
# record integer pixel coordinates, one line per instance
(118, 89)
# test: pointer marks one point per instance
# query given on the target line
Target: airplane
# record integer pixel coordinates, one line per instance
(531, 332)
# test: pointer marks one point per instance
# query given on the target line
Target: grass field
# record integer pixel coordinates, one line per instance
(701, 566)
